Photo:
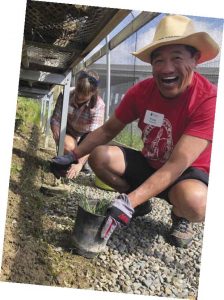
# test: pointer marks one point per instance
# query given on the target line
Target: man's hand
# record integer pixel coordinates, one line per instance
(119, 213)
(66, 159)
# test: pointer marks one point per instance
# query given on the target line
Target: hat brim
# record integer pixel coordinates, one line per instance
(202, 41)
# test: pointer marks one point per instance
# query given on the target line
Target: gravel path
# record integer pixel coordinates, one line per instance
(138, 259)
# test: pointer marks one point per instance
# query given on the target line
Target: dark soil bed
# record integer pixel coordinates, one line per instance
(38, 226)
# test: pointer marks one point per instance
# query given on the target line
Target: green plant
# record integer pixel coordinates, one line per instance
(101, 206)
(130, 136)
(93, 206)
(15, 169)
(27, 113)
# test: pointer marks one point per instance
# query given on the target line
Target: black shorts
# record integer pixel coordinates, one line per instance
(137, 171)
(82, 137)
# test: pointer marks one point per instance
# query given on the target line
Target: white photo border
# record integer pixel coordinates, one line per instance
(11, 27)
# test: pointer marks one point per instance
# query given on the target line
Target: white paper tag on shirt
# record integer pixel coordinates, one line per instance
(70, 109)
(153, 118)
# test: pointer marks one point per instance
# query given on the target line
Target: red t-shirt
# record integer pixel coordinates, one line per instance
(163, 121)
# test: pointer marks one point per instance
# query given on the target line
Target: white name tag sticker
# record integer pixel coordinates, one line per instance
(153, 118)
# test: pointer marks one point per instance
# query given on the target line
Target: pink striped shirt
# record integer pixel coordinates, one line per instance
(80, 119)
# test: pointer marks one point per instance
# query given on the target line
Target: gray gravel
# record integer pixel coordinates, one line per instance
(138, 259)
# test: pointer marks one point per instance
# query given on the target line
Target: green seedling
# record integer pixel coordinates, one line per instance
(93, 206)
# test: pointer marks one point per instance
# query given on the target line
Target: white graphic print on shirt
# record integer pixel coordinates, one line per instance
(158, 141)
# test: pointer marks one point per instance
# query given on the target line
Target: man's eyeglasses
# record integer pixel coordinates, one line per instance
(91, 79)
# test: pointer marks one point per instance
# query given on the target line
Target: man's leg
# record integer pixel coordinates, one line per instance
(108, 164)
(188, 198)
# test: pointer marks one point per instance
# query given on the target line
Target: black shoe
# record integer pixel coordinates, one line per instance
(142, 209)
(86, 169)
(181, 232)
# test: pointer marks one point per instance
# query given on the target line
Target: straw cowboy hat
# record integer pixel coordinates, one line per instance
(176, 29)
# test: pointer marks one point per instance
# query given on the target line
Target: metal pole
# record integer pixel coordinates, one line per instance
(107, 80)
(45, 99)
(41, 113)
(64, 113)
(50, 101)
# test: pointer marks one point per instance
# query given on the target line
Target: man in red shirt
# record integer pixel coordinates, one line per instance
(175, 112)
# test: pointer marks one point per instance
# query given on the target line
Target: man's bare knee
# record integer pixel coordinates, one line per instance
(98, 157)
(189, 199)
(108, 164)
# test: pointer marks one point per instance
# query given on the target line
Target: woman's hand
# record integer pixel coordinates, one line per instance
(74, 170)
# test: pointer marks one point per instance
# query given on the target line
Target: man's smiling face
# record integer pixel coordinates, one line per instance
(172, 67)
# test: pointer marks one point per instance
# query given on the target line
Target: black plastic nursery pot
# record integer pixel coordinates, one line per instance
(85, 239)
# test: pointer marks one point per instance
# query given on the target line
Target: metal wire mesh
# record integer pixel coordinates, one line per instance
(55, 33)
